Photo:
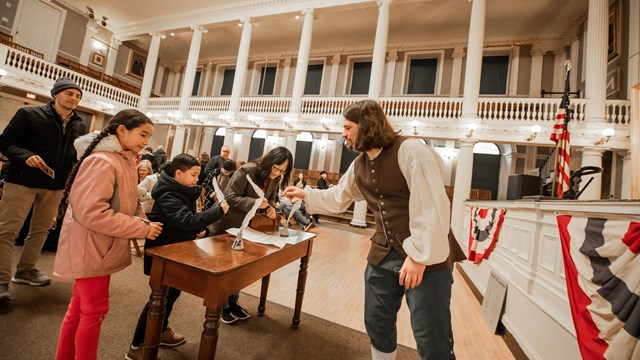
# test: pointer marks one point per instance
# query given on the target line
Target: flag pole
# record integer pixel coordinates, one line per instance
(560, 144)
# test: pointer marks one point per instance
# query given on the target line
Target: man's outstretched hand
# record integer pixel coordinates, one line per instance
(294, 192)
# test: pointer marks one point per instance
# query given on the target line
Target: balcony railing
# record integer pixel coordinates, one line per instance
(514, 110)
(26, 68)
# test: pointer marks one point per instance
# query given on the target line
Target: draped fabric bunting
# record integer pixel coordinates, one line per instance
(602, 269)
(485, 227)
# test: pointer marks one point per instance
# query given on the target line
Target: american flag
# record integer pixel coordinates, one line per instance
(603, 283)
(560, 136)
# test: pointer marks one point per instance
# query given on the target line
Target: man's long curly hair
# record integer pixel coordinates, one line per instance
(375, 131)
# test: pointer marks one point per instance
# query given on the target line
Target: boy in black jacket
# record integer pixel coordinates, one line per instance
(175, 197)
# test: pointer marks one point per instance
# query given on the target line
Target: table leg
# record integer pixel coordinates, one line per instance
(263, 294)
(155, 317)
(209, 338)
(302, 282)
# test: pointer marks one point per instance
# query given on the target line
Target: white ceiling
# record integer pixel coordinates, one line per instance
(431, 22)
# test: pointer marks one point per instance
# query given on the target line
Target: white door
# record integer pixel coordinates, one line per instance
(38, 27)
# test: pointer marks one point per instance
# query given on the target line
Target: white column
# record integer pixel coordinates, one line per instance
(359, 214)
(456, 71)
(176, 81)
(531, 160)
(206, 87)
(462, 185)
(302, 64)
(507, 165)
(192, 66)
(535, 81)
(633, 76)
(178, 141)
(575, 62)
(596, 62)
(392, 58)
(149, 70)
(207, 140)
(241, 66)
(625, 191)
(168, 92)
(559, 58)
(591, 157)
(112, 55)
(322, 152)
(474, 63)
(87, 45)
(159, 79)
(229, 137)
(333, 81)
(286, 69)
(379, 50)
(290, 142)
(514, 68)
(336, 156)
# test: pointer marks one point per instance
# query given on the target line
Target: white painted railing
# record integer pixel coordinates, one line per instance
(163, 104)
(209, 104)
(261, 104)
(25, 66)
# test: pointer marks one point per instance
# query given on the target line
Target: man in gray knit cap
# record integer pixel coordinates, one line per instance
(39, 144)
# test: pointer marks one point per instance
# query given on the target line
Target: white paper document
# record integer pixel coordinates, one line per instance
(252, 212)
(259, 237)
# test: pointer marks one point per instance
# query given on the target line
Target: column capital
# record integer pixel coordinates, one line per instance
(157, 34)
(308, 10)
(466, 142)
(383, 2)
(286, 61)
(392, 55)
(115, 41)
(335, 58)
(624, 154)
(246, 20)
(538, 52)
(199, 27)
(458, 52)
(593, 151)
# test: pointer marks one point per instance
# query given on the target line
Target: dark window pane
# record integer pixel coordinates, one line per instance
(303, 155)
(493, 79)
(216, 145)
(256, 148)
(267, 80)
(314, 79)
(227, 81)
(196, 83)
(422, 76)
(360, 78)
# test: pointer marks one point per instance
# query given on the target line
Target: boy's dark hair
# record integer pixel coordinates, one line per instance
(276, 156)
(182, 162)
(322, 172)
(130, 119)
(229, 165)
(375, 131)
(149, 149)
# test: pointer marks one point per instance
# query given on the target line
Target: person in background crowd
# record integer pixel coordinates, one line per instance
(321, 184)
(222, 176)
(38, 141)
(300, 181)
(144, 169)
(204, 159)
(101, 213)
(159, 158)
(217, 161)
(147, 154)
(240, 163)
(402, 181)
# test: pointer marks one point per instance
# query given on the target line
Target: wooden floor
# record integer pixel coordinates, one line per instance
(335, 292)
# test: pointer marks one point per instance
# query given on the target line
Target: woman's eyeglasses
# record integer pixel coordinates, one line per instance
(278, 170)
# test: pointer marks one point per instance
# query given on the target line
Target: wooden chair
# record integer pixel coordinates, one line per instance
(137, 247)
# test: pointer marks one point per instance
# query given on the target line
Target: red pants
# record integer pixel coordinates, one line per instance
(80, 329)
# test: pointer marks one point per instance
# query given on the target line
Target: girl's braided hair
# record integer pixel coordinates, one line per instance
(130, 119)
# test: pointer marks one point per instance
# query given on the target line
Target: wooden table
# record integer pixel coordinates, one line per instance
(210, 269)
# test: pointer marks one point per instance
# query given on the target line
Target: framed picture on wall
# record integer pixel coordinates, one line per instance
(136, 64)
(614, 31)
(97, 59)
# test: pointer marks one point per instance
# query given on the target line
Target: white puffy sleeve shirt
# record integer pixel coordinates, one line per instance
(429, 212)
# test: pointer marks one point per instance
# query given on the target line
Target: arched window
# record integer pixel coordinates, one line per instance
(256, 147)
(304, 144)
(486, 168)
(218, 141)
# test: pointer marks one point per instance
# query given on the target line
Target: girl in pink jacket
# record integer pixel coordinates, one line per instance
(101, 214)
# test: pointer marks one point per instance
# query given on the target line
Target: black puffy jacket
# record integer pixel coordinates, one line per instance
(37, 130)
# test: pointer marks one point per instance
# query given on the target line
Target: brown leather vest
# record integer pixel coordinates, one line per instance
(385, 190)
